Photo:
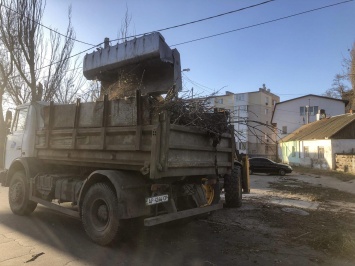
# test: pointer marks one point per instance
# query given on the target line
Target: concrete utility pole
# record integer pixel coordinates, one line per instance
(309, 105)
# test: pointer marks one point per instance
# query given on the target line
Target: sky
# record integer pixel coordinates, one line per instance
(292, 57)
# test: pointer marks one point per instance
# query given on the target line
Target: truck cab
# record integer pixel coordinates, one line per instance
(20, 140)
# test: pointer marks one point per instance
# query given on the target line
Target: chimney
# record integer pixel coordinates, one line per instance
(321, 114)
(106, 42)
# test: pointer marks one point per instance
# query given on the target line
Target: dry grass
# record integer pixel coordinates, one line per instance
(339, 175)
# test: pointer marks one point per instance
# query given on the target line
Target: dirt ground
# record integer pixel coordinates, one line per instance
(293, 222)
(283, 221)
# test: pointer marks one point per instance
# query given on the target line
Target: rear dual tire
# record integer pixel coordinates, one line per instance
(233, 188)
(100, 214)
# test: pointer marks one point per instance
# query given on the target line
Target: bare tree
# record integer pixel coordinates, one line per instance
(59, 82)
(39, 79)
(24, 73)
(26, 34)
(349, 65)
(343, 86)
(339, 87)
(6, 69)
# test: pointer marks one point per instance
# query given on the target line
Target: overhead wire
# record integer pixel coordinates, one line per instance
(46, 27)
(263, 23)
(184, 24)
(196, 21)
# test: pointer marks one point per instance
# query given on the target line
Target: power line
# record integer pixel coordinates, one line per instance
(196, 21)
(79, 53)
(203, 87)
(274, 20)
(262, 23)
(46, 27)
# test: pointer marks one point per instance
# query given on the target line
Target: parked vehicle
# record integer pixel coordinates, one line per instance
(116, 160)
(264, 165)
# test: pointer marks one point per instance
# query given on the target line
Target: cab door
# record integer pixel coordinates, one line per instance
(13, 148)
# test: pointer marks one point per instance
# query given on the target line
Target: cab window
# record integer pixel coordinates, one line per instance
(20, 120)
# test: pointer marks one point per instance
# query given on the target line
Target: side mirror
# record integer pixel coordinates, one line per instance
(8, 120)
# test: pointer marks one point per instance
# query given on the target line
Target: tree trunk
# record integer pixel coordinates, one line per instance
(2, 134)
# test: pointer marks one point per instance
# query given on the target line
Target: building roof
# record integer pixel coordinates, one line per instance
(318, 96)
(322, 129)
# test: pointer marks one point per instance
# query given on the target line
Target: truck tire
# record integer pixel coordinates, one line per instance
(100, 214)
(19, 195)
(233, 188)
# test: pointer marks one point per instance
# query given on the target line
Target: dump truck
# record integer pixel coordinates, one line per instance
(116, 160)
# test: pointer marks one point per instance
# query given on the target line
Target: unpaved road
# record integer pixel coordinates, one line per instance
(291, 220)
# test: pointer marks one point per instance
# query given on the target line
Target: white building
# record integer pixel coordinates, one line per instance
(292, 114)
(251, 114)
(315, 145)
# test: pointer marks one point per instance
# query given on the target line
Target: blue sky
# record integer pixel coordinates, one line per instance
(293, 57)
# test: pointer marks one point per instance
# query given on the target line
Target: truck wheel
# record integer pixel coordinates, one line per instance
(233, 188)
(19, 195)
(100, 214)
(212, 192)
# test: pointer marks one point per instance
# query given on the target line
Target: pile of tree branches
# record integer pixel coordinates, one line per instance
(196, 113)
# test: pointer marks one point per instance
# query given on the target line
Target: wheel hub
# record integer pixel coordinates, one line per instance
(102, 213)
(209, 192)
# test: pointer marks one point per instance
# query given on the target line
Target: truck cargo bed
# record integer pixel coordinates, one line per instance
(103, 139)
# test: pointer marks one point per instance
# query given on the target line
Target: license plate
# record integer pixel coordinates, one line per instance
(156, 199)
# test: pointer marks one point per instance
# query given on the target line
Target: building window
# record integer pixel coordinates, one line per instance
(284, 130)
(266, 100)
(313, 110)
(320, 152)
(243, 108)
(239, 97)
(266, 111)
(242, 145)
(293, 151)
(273, 102)
(266, 149)
(219, 101)
(306, 152)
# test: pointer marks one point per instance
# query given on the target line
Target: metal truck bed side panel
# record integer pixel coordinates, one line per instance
(160, 150)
